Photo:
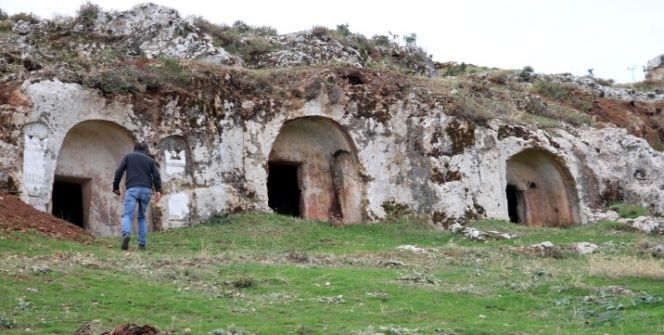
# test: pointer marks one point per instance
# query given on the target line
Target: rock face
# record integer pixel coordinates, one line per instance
(342, 142)
(212, 172)
(655, 68)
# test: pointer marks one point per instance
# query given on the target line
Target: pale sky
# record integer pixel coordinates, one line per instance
(609, 36)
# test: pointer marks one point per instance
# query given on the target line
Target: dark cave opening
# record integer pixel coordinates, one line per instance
(283, 189)
(514, 197)
(68, 201)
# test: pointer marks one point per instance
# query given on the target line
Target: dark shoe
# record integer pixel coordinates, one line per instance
(125, 243)
(141, 247)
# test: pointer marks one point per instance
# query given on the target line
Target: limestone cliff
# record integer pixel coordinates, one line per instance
(324, 124)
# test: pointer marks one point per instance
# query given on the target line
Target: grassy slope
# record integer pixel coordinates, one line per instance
(273, 275)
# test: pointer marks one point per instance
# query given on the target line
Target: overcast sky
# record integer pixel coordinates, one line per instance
(609, 36)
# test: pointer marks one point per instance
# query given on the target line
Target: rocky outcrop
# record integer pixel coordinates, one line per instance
(157, 31)
(646, 224)
(654, 69)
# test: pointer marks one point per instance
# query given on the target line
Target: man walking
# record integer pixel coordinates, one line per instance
(142, 175)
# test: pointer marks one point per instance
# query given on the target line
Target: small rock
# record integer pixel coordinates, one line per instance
(583, 248)
(412, 248)
(391, 263)
(22, 27)
(615, 290)
(657, 251)
(92, 327)
(647, 224)
(478, 235)
(609, 215)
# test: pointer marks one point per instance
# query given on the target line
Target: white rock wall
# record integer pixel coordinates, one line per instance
(226, 170)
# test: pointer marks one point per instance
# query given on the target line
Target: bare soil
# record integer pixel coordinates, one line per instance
(16, 215)
(132, 329)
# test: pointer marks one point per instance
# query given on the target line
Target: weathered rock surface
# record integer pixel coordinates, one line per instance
(584, 248)
(159, 31)
(655, 68)
(647, 224)
(657, 251)
(412, 248)
(480, 235)
(365, 144)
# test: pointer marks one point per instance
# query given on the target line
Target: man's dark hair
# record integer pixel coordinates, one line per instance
(141, 146)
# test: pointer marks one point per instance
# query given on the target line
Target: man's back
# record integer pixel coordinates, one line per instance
(141, 171)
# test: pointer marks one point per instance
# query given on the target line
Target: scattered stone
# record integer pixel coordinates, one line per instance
(41, 269)
(22, 27)
(333, 300)
(412, 248)
(479, 235)
(391, 263)
(384, 296)
(6, 323)
(230, 330)
(420, 278)
(615, 290)
(609, 215)
(544, 249)
(133, 329)
(657, 251)
(584, 248)
(388, 330)
(647, 224)
(92, 327)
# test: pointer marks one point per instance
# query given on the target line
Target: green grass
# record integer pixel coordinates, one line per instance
(629, 211)
(270, 274)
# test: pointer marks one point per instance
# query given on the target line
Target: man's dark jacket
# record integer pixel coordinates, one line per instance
(141, 171)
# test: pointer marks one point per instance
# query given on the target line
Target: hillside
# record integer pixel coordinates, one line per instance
(269, 274)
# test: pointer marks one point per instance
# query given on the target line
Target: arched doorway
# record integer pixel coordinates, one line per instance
(540, 190)
(90, 153)
(313, 173)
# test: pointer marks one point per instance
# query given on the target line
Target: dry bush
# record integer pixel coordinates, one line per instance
(623, 267)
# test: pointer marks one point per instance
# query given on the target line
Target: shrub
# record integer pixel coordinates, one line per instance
(381, 40)
(139, 77)
(29, 17)
(456, 69)
(628, 210)
(240, 38)
(241, 27)
(6, 25)
(3, 15)
(552, 90)
(87, 14)
(319, 31)
(343, 29)
(410, 39)
(526, 73)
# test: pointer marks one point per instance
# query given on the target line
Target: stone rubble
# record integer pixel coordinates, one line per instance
(412, 248)
(584, 248)
(479, 235)
(657, 251)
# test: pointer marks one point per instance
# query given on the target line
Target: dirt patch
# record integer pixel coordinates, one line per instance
(641, 119)
(16, 215)
(133, 329)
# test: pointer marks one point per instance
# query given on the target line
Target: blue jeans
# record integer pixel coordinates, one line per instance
(134, 195)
